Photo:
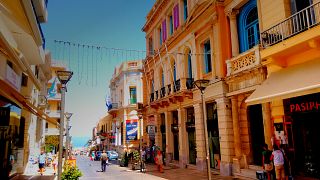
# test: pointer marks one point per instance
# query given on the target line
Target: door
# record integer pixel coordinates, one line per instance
(256, 132)
(192, 147)
(176, 146)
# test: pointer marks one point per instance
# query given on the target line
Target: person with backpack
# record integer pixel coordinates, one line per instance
(104, 159)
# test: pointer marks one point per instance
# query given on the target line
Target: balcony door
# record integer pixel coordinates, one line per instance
(133, 95)
(298, 5)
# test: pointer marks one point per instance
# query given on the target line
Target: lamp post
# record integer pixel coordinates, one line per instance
(68, 116)
(201, 84)
(140, 140)
(64, 77)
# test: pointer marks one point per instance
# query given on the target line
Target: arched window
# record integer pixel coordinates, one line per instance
(248, 26)
(174, 71)
(162, 77)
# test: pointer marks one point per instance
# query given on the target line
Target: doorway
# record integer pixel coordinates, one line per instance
(256, 133)
(213, 135)
(175, 132)
(190, 127)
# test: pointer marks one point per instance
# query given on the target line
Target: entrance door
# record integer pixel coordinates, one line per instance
(192, 147)
(176, 146)
(257, 132)
(213, 135)
(306, 144)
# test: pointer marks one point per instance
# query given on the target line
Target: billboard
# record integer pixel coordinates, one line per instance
(131, 129)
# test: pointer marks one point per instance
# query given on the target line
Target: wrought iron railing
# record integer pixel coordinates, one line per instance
(157, 95)
(176, 86)
(295, 24)
(162, 92)
(169, 89)
(151, 97)
(189, 83)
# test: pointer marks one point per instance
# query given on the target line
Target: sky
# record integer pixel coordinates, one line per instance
(103, 23)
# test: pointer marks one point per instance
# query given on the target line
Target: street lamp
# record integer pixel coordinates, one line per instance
(64, 77)
(68, 116)
(201, 84)
(140, 140)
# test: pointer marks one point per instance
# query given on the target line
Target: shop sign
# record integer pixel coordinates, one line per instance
(13, 78)
(131, 129)
(307, 103)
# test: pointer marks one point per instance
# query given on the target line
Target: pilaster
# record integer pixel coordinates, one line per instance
(226, 136)
(234, 32)
(267, 123)
(200, 141)
(183, 157)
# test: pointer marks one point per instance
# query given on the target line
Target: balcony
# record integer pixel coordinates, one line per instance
(176, 86)
(189, 83)
(162, 92)
(113, 107)
(157, 95)
(151, 97)
(293, 25)
(40, 8)
(245, 61)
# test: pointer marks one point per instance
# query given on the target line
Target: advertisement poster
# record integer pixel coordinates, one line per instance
(132, 129)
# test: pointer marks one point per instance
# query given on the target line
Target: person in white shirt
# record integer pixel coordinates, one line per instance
(278, 161)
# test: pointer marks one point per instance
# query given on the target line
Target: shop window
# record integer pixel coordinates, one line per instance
(248, 26)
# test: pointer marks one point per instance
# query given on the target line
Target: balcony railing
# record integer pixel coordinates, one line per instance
(157, 95)
(113, 106)
(162, 92)
(169, 89)
(151, 97)
(244, 61)
(295, 24)
(176, 86)
(189, 83)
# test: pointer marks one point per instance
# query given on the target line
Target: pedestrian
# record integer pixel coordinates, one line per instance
(286, 164)
(54, 164)
(159, 161)
(267, 164)
(41, 161)
(278, 161)
(104, 159)
(92, 156)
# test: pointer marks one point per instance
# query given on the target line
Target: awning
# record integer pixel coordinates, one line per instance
(12, 94)
(297, 80)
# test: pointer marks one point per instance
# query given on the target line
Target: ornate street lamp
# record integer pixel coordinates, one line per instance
(68, 116)
(202, 84)
(64, 77)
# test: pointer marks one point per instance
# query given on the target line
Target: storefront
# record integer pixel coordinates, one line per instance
(11, 136)
(213, 135)
(301, 126)
(191, 130)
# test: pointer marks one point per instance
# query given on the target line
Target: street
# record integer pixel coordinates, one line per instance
(90, 170)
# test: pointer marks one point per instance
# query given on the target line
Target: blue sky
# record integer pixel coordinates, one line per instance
(107, 23)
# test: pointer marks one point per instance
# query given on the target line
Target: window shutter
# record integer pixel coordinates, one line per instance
(164, 30)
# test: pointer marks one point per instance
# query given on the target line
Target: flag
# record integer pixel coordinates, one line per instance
(53, 89)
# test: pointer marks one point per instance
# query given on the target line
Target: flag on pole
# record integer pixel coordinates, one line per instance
(53, 89)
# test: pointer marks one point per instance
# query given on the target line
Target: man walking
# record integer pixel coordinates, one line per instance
(41, 161)
(104, 159)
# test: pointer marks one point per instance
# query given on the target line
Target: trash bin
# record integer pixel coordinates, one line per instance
(261, 175)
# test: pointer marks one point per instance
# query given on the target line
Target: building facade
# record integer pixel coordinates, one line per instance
(256, 55)
(24, 73)
(126, 89)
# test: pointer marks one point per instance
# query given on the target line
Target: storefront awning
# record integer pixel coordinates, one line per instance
(297, 80)
(12, 94)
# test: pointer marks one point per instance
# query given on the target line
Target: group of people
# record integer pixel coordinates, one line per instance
(45, 160)
(275, 162)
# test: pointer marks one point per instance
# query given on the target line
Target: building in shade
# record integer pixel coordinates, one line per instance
(126, 89)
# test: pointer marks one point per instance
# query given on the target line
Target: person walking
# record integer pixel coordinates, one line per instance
(41, 162)
(278, 161)
(159, 161)
(104, 159)
(267, 164)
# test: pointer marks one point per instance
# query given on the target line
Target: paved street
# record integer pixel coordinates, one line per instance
(90, 170)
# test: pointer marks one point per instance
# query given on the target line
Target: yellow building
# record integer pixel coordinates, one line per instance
(23, 75)
(187, 41)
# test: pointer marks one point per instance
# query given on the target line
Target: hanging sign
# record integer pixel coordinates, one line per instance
(131, 129)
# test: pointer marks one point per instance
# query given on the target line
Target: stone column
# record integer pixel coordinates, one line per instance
(183, 157)
(234, 32)
(267, 123)
(237, 165)
(200, 141)
(169, 138)
(226, 135)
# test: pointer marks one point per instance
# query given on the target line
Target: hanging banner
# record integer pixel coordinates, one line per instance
(131, 129)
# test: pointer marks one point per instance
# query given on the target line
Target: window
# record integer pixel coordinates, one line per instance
(10, 64)
(47, 125)
(248, 26)
(176, 16)
(160, 36)
(174, 71)
(207, 57)
(185, 9)
(36, 73)
(171, 24)
(150, 42)
(24, 80)
(164, 30)
(189, 65)
(162, 78)
(152, 86)
(133, 95)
